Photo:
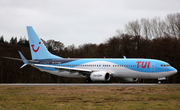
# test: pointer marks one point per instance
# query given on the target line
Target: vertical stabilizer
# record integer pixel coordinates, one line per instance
(38, 50)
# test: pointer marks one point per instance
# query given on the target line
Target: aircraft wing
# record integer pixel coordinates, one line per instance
(56, 67)
(30, 61)
(66, 68)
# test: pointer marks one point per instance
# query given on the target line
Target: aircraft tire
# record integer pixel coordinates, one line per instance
(88, 80)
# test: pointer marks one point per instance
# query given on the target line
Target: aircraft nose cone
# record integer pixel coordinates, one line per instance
(175, 71)
(172, 71)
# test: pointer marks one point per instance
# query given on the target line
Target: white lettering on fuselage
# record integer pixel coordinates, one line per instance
(97, 75)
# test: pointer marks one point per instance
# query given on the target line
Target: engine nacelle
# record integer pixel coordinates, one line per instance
(100, 76)
(128, 79)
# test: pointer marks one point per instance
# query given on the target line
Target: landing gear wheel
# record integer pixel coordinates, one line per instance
(159, 82)
(88, 80)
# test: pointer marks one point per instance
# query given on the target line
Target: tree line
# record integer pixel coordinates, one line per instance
(154, 39)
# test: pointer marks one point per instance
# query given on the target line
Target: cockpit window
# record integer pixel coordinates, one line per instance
(165, 65)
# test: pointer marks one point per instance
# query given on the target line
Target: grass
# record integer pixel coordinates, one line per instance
(89, 98)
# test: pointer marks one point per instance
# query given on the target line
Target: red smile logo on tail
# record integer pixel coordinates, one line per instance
(37, 48)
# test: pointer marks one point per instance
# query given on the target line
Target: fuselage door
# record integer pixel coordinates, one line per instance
(152, 66)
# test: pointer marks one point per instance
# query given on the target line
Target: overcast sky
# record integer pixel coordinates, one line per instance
(77, 21)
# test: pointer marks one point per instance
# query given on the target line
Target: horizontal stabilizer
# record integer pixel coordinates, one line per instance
(23, 59)
(23, 66)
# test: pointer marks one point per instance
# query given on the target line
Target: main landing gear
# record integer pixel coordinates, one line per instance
(88, 80)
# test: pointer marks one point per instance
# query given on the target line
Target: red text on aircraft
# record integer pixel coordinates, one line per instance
(142, 63)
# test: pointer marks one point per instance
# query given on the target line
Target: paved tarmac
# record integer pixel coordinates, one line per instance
(92, 84)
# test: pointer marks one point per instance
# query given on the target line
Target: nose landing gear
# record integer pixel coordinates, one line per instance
(160, 79)
(159, 82)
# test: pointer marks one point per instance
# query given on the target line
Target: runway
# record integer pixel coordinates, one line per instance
(92, 84)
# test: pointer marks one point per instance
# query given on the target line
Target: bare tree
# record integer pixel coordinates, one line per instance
(56, 45)
(133, 28)
(158, 27)
(173, 25)
(146, 28)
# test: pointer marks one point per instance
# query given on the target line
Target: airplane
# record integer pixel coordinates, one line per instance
(94, 69)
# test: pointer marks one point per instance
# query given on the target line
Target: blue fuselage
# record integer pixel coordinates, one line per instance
(123, 68)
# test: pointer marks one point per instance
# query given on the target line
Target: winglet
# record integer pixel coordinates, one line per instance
(24, 60)
(124, 57)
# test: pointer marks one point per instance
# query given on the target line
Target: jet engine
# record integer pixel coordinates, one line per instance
(100, 76)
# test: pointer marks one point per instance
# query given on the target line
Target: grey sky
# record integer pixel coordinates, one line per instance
(77, 21)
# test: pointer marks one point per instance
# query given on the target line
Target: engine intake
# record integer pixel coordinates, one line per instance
(100, 76)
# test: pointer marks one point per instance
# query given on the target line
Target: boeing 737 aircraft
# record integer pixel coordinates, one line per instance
(94, 69)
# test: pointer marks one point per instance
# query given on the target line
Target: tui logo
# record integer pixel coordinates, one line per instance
(37, 48)
(143, 65)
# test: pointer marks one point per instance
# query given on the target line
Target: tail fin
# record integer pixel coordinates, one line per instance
(38, 50)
